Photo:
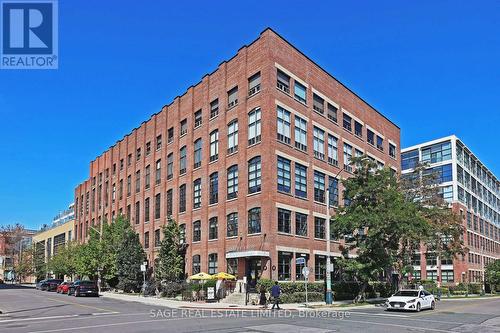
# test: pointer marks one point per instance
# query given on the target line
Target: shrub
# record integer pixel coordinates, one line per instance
(171, 288)
(300, 297)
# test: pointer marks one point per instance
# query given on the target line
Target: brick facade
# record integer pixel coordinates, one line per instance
(266, 55)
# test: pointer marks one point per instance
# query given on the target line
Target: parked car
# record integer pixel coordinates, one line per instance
(411, 299)
(83, 288)
(62, 288)
(52, 284)
(44, 285)
(39, 284)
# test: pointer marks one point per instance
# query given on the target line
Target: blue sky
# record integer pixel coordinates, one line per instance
(430, 66)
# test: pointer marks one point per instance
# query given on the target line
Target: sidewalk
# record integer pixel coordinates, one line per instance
(175, 304)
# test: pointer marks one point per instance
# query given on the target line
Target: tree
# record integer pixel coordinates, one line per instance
(382, 224)
(25, 266)
(63, 262)
(39, 265)
(88, 256)
(492, 275)
(169, 266)
(112, 235)
(129, 258)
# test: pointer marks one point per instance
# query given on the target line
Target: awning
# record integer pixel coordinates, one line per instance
(245, 254)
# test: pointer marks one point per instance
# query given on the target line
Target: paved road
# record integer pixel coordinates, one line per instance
(29, 310)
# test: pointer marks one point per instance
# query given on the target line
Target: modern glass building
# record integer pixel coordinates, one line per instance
(473, 191)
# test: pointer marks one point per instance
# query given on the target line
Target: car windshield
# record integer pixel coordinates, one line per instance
(407, 293)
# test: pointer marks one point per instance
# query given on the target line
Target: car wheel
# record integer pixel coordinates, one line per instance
(418, 307)
(68, 293)
(433, 305)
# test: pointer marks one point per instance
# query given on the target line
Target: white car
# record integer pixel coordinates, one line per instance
(411, 299)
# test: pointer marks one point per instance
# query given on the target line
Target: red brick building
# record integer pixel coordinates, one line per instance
(242, 161)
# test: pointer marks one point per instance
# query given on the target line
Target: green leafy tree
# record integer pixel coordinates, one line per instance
(39, 264)
(25, 266)
(169, 266)
(492, 275)
(88, 256)
(63, 262)
(382, 224)
(129, 258)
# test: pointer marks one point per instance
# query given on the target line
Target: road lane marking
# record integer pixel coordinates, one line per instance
(379, 314)
(37, 318)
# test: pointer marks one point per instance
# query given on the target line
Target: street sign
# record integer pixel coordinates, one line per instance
(300, 261)
(305, 272)
(211, 293)
(143, 268)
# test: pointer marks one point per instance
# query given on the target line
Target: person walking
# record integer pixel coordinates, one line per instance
(275, 293)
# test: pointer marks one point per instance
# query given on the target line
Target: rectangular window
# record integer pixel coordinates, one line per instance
(232, 182)
(332, 113)
(370, 137)
(138, 154)
(300, 180)
(157, 206)
(197, 119)
(284, 175)
(392, 150)
(214, 188)
(380, 143)
(319, 186)
(358, 129)
(170, 166)
(213, 228)
(319, 267)
(409, 160)
(284, 265)
(147, 177)
(196, 231)
(254, 226)
(347, 157)
(196, 267)
(137, 181)
(300, 92)
(148, 148)
(197, 193)
(146, 210)
(137, 212)
(301, 224)
(319, 228)
(129, 159)
(212, 263)
(232, 225)
(214, 145)
(347, 122)
(214, 108)
(254, 84)
(254, 175)
(170, 202)
(120, 190)
(300, 134)
(232, 97)
(318, 104)
(283, 82)
(232, 137)
(283, 126)
(129, 185)
(182, 160)
(333, 186)
(121, 167)
(197, 153)
(157, 238)
(146, 240)
(333, 157)
(170, 135)
(183, 127)
(284, 221)
(437, 153)
(158, 142)
(158, 172)
(254, 131)
(182, 198)
(319, 143)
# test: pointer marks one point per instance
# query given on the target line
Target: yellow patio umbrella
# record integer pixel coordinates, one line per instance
(224, 276)
(202, 276)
